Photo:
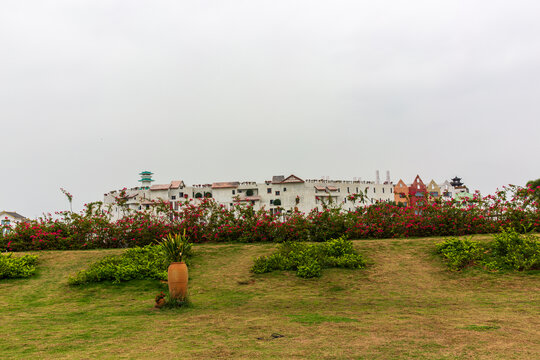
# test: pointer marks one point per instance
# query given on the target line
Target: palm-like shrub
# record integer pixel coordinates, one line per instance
(175, 247)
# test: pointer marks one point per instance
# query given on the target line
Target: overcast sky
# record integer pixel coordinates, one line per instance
(92, 92)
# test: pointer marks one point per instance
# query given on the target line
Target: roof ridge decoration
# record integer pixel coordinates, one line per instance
(291, 179)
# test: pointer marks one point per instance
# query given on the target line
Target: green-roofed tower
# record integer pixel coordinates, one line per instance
(146, 179)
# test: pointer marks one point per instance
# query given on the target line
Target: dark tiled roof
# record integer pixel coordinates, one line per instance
(13, 214)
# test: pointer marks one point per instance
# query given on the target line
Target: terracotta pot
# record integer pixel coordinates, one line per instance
(178, 280)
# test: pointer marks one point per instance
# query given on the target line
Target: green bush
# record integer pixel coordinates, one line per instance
(459, 253)
(348, 261)
(514, 251)
(309, 259)
(509, 250)
(17, 267)
(310, 270)
(338, 247)
(136, 263)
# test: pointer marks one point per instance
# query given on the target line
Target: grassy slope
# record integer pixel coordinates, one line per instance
(405, 305)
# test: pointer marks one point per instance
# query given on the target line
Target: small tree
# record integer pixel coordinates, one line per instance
(249, 192)
(277, 202)
(69, 197)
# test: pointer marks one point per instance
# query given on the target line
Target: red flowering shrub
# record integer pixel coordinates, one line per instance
(211, 222)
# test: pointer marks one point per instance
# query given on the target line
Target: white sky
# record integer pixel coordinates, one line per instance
(92, 92)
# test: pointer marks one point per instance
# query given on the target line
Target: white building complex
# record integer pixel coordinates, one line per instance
(276, 195)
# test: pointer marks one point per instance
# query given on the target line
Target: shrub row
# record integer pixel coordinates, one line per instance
(208, 221)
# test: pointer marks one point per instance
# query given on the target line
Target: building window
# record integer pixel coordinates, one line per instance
(284, 189)
(269, 190)
(348, 190)
(374, 190)
(390, 190)
(239, 191)
(181, 194)
(277, 192)
(173, 197)
(233, 192)
(383, 190)
(271, 202)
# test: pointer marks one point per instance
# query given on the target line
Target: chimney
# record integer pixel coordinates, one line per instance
(378, 178)
(388, 176)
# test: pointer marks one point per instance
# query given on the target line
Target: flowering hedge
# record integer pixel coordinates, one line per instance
(211, 222)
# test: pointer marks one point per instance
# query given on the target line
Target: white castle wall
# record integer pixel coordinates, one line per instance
(264, 195)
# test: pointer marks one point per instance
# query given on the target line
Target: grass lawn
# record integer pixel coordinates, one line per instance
(405, 305)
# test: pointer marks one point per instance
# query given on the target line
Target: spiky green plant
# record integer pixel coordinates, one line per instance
(175, 247)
